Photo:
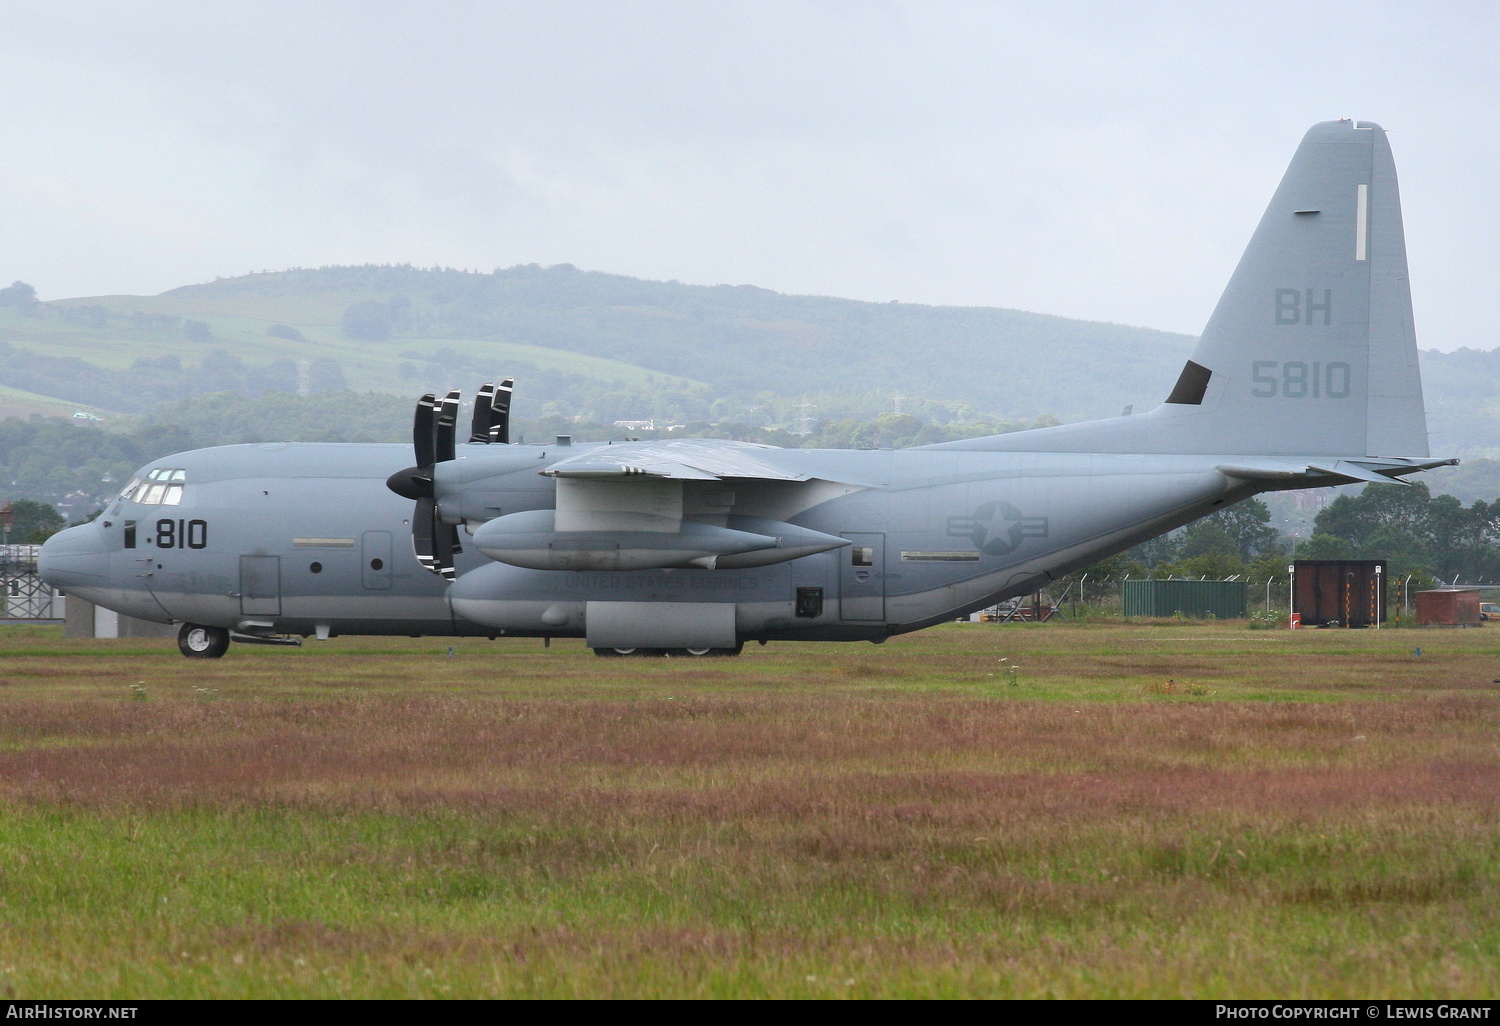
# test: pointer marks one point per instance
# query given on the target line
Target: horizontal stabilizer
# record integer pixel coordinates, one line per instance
(1354, 472)
(1297, 474)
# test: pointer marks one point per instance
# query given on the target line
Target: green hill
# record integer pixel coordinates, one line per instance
(607, 347)
(632, 348)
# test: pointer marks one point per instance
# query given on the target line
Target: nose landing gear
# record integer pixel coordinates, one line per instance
(198, 642)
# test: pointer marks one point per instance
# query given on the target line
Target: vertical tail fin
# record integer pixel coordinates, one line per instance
(1311, 348)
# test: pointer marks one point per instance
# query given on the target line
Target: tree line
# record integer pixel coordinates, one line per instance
(78, 467)
(152, 382)
(1435, 539)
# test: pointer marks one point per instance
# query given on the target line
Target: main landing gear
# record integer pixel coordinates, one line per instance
(695, 653)
(198, 642)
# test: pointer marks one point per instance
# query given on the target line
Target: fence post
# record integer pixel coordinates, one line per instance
(1291, 591)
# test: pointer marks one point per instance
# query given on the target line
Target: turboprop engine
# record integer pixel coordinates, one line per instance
(637, 507)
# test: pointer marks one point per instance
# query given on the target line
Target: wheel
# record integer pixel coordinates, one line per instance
(699, 653)
(199, 642)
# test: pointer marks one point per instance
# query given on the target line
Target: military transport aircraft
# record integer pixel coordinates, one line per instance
(1305, 376)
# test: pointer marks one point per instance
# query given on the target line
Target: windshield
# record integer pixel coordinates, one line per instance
(161, 487)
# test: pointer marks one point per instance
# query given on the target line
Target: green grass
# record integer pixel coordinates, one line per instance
(374, 817)
(15, 402)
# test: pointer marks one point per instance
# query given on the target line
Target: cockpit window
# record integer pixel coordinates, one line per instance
(161, 487)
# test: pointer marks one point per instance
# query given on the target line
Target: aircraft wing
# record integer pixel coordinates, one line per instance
(698, 459)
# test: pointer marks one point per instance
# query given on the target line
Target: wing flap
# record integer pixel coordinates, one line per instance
(704, 459)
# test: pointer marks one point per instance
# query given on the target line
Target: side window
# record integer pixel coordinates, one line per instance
(130, 534)
(862, 555)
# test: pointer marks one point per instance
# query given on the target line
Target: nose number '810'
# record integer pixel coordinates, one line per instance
(1297, 379)
(181, 534)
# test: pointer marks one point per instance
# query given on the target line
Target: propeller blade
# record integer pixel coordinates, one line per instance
(421, 430)
(447, 418)
(423, 520)
(484, 410)
(445, 542)
(500, 419)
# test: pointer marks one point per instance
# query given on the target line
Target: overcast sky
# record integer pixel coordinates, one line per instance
(1096, 160)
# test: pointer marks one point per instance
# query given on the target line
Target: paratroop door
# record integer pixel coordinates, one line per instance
(862, 578)
(260, 585)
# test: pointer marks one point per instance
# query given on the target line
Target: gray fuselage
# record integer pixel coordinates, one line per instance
(296, 536)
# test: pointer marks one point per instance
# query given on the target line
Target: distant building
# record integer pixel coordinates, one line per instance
(1310, 499)
(24, 595)
(1448, 607)
(636, 425)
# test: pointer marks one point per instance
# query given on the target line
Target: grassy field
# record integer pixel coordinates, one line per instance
(15, 402)
(1309, 814)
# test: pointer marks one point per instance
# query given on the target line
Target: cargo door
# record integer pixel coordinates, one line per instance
(260, 585)
(862, 581)
(375, 565)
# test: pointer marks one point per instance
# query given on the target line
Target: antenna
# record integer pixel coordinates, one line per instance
(803, 422)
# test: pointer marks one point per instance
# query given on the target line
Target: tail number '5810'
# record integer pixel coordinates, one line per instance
(1296, 379)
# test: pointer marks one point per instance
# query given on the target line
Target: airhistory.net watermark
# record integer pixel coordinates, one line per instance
(42, 1010)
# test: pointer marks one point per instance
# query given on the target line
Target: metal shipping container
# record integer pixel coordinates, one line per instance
(1448, 607)
(1223, 600)
(1341, 591)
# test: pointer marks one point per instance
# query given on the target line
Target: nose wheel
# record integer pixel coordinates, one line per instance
(198, 642)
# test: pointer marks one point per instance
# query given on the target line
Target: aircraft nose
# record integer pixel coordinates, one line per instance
(75, 558)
